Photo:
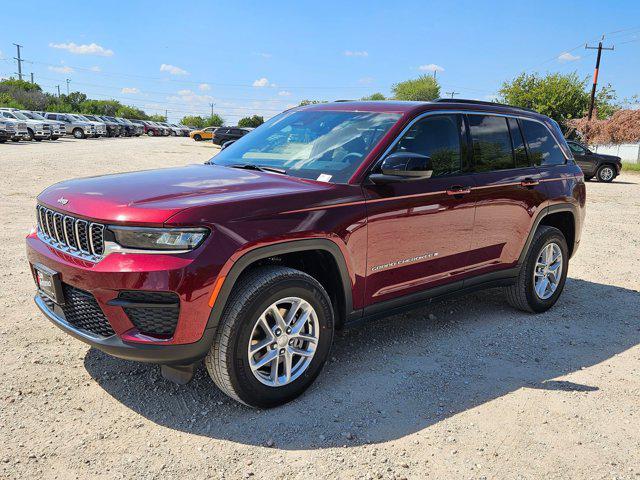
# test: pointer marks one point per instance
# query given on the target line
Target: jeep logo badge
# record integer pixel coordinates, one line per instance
(63, 201)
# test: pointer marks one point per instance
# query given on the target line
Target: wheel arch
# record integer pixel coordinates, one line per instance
(562, 216)
(321, 258)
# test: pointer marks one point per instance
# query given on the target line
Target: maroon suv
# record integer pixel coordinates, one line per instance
(325, 215)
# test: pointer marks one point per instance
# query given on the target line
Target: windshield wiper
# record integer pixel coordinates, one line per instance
(252, 166)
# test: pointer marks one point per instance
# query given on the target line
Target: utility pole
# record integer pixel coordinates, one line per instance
(452, 93)
(166, 115)
(68, 81)
(211, 105)
(58, 87)
(32, 78)
(19, 60)
(595, 73)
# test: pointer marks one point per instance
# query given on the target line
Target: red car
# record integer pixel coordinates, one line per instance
(325, 215)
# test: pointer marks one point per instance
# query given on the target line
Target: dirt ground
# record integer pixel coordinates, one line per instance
(464, 389)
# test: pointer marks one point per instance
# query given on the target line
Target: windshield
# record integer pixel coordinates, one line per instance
(20, 116)
(317, 144)
(33, 116)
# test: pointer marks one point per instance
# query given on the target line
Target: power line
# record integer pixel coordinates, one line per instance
(452, 93)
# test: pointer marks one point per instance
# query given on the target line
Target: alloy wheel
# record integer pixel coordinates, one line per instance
(548, 271)
(283, 341)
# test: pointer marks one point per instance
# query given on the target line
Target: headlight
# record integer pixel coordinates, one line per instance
(159, 238)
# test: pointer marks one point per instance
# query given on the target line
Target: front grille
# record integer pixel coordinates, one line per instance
(81, 310)
(157, 313)
(22, 126)
(73, 235)
(46, 127)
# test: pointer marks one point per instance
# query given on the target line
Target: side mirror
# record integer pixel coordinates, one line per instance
(226, 144)
(402, 167)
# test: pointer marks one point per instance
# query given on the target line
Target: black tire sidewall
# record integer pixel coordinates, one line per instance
(551, 235)
(249, 388)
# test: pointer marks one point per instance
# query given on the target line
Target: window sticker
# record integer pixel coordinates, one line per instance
(323, 177)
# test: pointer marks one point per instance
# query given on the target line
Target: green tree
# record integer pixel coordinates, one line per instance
(20, 85)
(423, 89)
(156, 118)
(100, 107)
(374, 97)
(133, 113)
(7, 100)
(214, 120)
(252, 121)
(193, 121)
(559, 96)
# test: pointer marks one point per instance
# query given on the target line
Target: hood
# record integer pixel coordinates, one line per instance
(152, 196)
(612, 158)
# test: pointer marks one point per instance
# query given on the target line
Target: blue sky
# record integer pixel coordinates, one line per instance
(261, 57)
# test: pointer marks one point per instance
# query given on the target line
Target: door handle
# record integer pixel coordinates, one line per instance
(529, 183)
(458, 190)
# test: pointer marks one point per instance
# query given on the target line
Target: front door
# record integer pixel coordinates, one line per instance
(419, 231)
(583, 158)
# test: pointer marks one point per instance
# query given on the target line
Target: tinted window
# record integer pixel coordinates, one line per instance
(519, 150)
(577, 149)
(437, 137)
(543, 148)
(491, 143)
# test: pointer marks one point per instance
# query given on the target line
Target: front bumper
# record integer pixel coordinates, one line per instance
(150, 353)
(185, 275)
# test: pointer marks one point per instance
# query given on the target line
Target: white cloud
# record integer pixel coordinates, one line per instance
(263, 54)
(172, 69)
(90, 49)
(203, 87)
(356, 53)
(1, 55)
(567, 57)
(431, 67)
(62, 69)
(130, 90)
(366, 80)
(284, 93)
(95, 68)
(263, 82)
(185, 92)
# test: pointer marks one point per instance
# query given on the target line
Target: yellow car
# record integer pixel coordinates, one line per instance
(203, 134)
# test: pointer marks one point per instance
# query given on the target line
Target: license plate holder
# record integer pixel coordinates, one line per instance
(49, 283)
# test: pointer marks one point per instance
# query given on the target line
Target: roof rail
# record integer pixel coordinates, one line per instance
(480, 102)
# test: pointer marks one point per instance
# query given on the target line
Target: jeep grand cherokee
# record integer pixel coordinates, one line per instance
(324, 215)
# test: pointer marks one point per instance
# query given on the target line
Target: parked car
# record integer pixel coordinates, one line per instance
(36, 130)
(151, 130)
(224, 134)
(56, 129)
(164, 131)
(326, 215)
(117, 126)
(112, 129)
(173, 130)
(136, 129)
(604, 167)
(7, 129)
(17, 127)
(184, 130)
(100, 128)
(127, 129)
(203, 133)
(73, 126)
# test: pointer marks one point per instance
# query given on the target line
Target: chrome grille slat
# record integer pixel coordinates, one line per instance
(73, 235)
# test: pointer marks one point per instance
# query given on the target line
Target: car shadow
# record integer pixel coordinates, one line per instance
(395, 376)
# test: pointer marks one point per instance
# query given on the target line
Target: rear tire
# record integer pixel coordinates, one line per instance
(606, 173)
(197, 137)
(229, 362)
(523, 294)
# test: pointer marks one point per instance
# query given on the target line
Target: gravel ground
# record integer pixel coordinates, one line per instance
(468, 388)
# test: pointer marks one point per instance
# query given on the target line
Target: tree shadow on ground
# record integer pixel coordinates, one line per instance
(395, 376)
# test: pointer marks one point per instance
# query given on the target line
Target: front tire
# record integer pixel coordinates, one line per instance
(606, 174)
(543, 273)
(274, 337)
(197, 137)
(30, 135)
(78, 133)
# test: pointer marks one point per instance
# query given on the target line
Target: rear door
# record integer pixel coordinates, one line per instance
(419, 231)
(508, 192)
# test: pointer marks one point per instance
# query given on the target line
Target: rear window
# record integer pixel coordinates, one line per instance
(543, 147)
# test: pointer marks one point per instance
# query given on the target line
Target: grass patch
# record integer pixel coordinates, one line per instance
(630, 167)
